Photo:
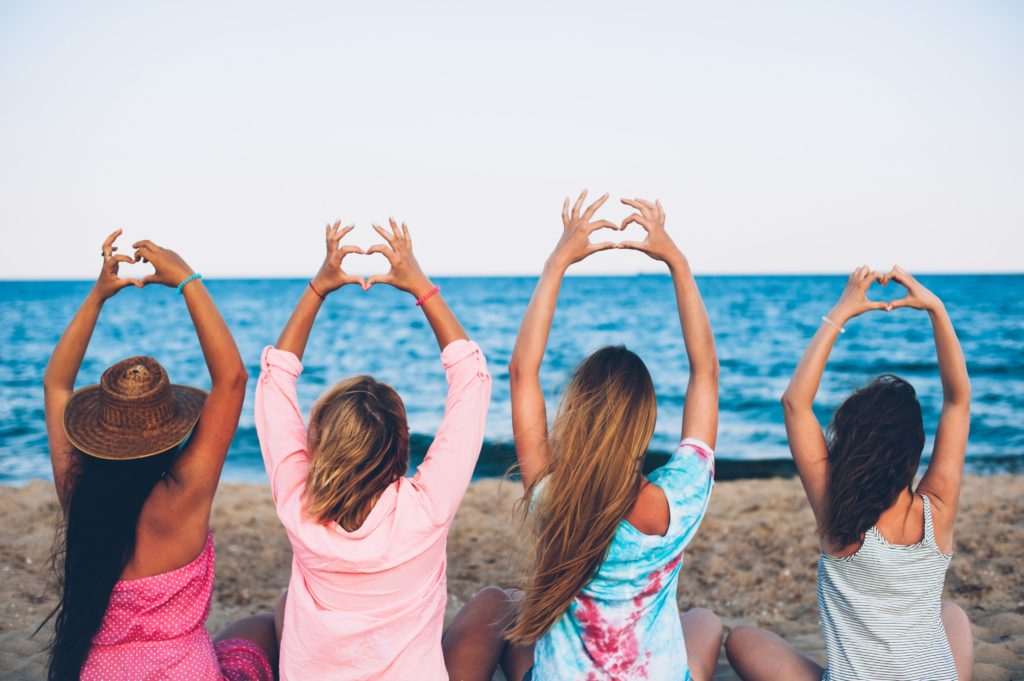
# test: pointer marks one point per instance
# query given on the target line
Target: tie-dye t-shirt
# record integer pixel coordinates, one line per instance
(625, 623)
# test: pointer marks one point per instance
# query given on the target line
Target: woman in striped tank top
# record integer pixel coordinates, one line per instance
(885, 545)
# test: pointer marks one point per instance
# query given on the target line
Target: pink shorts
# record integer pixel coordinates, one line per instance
(242, 660)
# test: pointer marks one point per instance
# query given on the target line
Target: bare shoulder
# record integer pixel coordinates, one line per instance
(650, 513)
(167, 535)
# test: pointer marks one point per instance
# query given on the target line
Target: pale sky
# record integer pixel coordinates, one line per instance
(781, 137)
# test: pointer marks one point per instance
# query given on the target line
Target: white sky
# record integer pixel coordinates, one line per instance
(781, 137)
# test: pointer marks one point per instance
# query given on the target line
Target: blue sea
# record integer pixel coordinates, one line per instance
(761, 324)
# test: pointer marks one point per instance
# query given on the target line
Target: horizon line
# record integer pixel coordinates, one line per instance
(290, 277)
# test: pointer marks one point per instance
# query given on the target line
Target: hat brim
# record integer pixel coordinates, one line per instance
(87, 433)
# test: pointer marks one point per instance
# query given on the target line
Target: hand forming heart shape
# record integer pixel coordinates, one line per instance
(404, 272)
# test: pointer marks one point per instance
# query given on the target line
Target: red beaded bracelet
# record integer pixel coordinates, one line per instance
(428, 295)
(320, 295)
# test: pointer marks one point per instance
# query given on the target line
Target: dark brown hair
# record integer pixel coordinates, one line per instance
(93, 546)
(874, 450)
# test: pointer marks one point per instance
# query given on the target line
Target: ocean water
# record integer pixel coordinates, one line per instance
(761, 324)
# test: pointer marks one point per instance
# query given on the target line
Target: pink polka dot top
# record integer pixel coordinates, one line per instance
(155, 627)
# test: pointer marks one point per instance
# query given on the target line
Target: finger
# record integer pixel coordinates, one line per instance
(142, 254)
(124, 283)
(149, 279)
(345, 230)
(356, 280)
(875, 275)
(878, 305)
(109, 241)
(661, 211)
(601, 224)
(346, 250)
(602, 246)
(635, 245)
(902, 302)
(576, 206)
(633, 203)
(387, 237)
(383, 250)
(394, 228)
(900, 275)
(122, 258)
(589, 212)
(565, 212)
(647, 204)
(145, 243)
(378, 279)
(406, 235)
(638, 219)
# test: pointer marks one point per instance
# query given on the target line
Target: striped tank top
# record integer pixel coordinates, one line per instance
(881, 610)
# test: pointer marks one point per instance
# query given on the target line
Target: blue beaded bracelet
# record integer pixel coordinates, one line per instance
(182, 284)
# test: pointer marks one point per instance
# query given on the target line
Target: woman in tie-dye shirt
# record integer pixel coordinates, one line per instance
(600, 603)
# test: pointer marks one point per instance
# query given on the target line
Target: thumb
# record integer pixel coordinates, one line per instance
(148, 279)
(635, 245)
(378, 279)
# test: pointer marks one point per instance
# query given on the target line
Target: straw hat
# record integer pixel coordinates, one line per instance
(133, 413)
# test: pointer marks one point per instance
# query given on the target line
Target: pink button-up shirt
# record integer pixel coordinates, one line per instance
(370, 604)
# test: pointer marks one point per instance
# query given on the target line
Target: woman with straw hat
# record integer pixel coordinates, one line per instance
(136, 461)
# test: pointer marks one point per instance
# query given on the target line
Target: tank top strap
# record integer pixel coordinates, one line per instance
(929, 529)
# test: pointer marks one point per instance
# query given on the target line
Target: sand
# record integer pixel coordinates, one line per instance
(754, 559)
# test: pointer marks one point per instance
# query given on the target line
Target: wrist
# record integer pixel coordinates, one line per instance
(96, 296)
(555, 264)
(322, 287)
(421, 288)
(677, 262)
(840, 315)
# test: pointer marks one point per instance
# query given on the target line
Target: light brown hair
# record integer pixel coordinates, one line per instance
(358, 444)
(598, 441)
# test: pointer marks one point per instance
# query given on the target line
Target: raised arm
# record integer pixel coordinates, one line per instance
(700, 411)
(529, 415)
(193, 478)
(945, 471)
(66, 360)
(328, 279)
(448, 465)
(806, 439)
(407, 275)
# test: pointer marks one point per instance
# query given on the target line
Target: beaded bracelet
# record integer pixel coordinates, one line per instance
(190, 278)
(841, 329)
(427, 296)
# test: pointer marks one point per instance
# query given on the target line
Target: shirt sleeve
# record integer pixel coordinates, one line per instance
(282, 431)
(687, 480)
(448, 466)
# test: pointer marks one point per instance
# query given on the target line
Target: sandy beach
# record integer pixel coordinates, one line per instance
(753, 560)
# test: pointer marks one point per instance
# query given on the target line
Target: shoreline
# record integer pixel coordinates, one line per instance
(754, 559)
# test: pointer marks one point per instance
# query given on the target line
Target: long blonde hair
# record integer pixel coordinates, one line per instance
(358, 444)
(598, 440)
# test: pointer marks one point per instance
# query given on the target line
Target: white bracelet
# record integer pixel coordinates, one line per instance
(842, 329)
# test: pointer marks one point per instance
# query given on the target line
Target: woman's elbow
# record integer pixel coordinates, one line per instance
(790, 403)
(235, 379)
(518, 371)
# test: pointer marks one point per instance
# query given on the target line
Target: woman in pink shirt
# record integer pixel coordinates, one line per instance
(367, 594)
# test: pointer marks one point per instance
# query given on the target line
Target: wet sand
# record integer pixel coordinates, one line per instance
(754, 559)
